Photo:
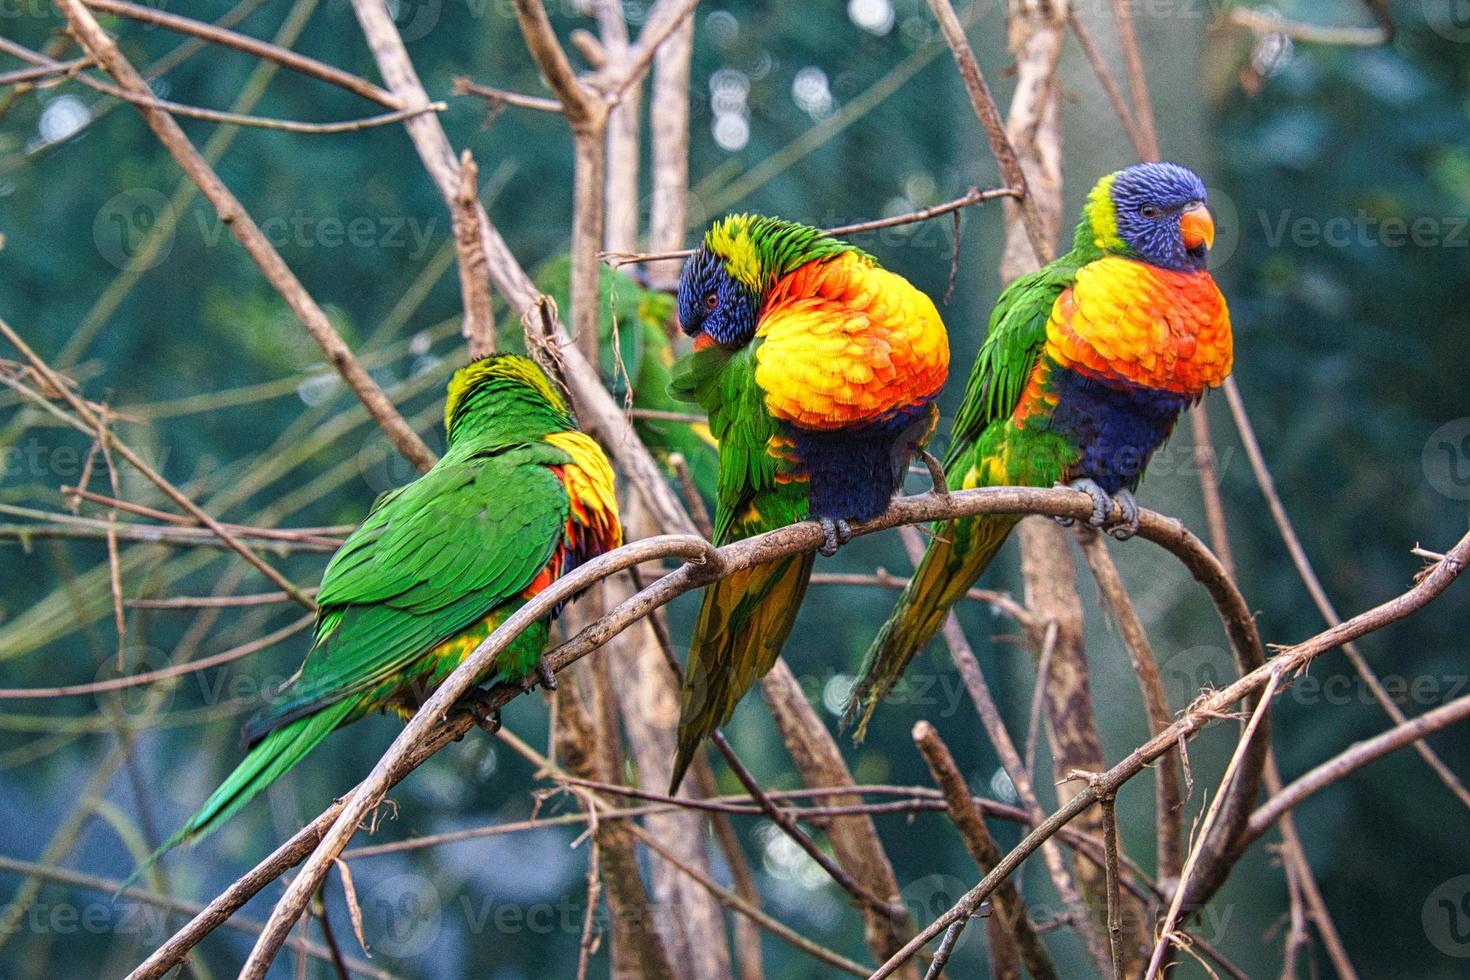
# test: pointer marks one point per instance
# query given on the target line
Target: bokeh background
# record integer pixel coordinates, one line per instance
(1340, 177)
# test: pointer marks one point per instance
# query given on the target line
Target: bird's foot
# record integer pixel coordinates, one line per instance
(476, 702)
(936, 474)
(1128, 526)
(1102, 504)
(835, 534)
(542, 673)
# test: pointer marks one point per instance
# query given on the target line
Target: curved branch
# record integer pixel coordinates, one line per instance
(1286, 663)
(712, 564)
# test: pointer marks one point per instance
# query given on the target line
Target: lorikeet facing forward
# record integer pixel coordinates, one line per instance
(819, 370)
(1088, 363)
(519, 498)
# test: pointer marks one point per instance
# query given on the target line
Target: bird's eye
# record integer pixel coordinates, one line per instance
(712, 300)
(1149, 211)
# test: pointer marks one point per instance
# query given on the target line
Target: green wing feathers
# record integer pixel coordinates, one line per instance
(958, 555)
(961, 550)
(742, 624)
(434, 567)
(273, 757)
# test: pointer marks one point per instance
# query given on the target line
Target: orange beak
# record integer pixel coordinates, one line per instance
(703, 340)
(1197, 227)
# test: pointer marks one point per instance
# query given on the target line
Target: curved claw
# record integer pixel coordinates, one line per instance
(476, 701)
(1102, 504)
(1128, 526)
(836, 533)
(936, 474)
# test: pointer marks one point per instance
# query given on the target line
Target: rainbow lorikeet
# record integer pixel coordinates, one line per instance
(1088, 363)
(818, 369)
(519, 498)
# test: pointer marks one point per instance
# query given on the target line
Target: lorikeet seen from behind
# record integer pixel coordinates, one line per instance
(1088, 363)
(818, 370)
(519, 499)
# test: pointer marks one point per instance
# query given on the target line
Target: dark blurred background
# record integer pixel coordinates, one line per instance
(1340, 177)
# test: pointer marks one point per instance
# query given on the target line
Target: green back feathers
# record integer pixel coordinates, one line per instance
(507, 395)
(757, 250)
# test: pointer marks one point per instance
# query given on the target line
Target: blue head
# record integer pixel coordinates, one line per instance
(1154, 212)
(715, 307)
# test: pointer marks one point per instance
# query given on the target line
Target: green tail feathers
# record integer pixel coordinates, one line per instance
(269, 760)
(742, 625)
(955, 558)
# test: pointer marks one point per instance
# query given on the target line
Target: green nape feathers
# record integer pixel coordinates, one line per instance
(519, 498)
(636, 356)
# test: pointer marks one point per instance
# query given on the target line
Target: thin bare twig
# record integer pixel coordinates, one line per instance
(1166, 931)
(101, 46)
(1207, 709)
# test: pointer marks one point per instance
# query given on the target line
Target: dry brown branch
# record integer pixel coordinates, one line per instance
(328, 537)
(1137, 78)
(88, 421)
(668, 123)
(474, 282)
(399, 759)
(970, 198)
(498, 96)
(1010, 930)
(109, 886)
(581, 744)
(1268, 22)
(1051, 594)
(854, 839)
(1169, 797)
(1287, 662)
(1166, 931)
(1019, 772)
(1308, 575)
(284, 57)
(164, 673)
(648, 702)
(985, 110)
(1109, 84)
(233, 214)
(726, 897)
(1355, 757)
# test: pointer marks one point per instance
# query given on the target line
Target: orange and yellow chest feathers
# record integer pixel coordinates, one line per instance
(844, 342)
(1134, 323)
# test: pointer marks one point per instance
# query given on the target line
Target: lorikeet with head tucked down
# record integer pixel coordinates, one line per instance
(1088, 363)
(519, 499)
(819, 371)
